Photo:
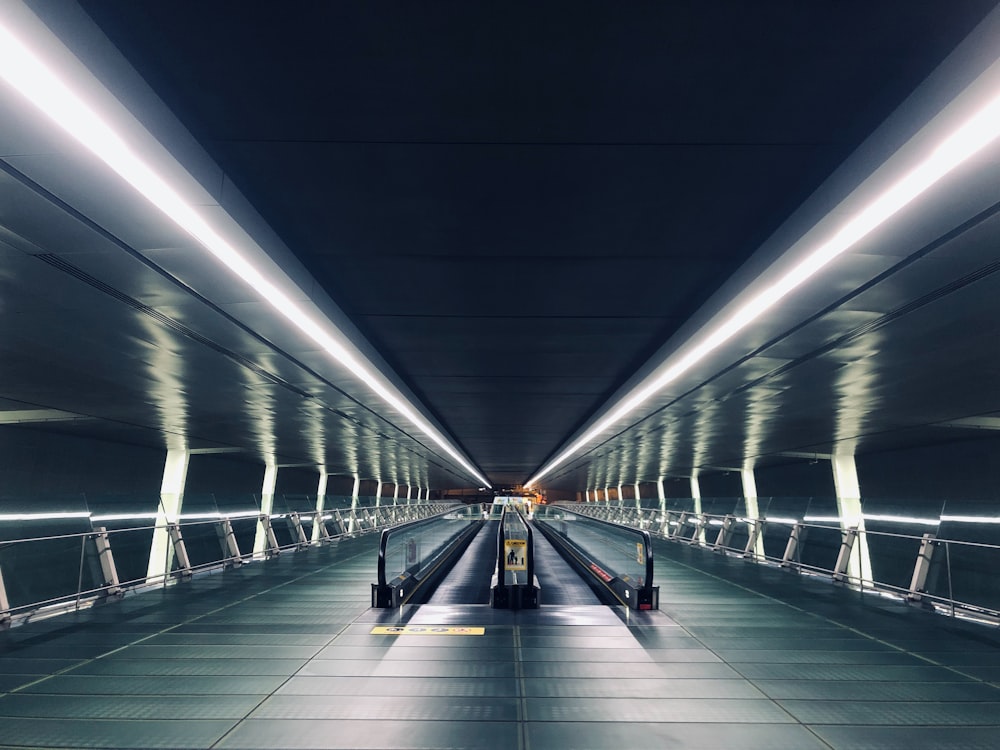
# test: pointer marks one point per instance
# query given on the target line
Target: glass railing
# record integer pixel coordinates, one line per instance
(87, 551)
(946, 558)
(619, 556)
(412, 554)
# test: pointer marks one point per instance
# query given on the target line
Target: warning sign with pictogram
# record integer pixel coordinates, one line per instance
(516, 554)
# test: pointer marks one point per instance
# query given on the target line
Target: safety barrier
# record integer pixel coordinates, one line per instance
(619, 557)
(412, 556)
(45, 575)
(935, 572)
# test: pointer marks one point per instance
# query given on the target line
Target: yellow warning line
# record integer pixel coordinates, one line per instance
(426, 630)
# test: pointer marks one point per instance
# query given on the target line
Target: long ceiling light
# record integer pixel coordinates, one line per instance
(33, 79)
(977, 132)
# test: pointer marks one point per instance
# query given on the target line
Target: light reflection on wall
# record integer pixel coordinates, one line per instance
(165, 370)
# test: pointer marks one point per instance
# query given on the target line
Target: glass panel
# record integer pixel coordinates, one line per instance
(130, 520)
(619, 551)
(48, 566)
(966, 573)
(411, 548)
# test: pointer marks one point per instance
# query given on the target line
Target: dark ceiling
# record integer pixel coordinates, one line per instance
(518, 204)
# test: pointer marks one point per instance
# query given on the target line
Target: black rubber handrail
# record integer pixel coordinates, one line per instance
(530, 553)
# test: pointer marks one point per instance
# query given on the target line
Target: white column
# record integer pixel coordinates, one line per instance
(409, 493)
(621, 497)
(661, 495)
(607, 495)
(750, 497)
(354, 501)
(266, 504)
(320, 503)
(378, 493)
(637, 495)
(395, 493)
(845, 481)
(586, 496)
(161, 552)
(696, 500)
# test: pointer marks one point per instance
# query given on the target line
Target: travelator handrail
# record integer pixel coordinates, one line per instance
(618, 557)
(419, 568)
(84, 571)
(515, 553)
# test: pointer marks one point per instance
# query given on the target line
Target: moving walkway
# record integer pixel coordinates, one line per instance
(447, 558)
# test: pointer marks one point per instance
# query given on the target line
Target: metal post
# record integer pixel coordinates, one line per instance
(295, 526)
(792, 548)
(678, 531)
(922, 567)
(725, 533)
(227, 540)
(844, 558)
(180, 551)
(271, 540)
(107, 560)
(4, 604)
(756, 525)
(699, 528)
(319, 527)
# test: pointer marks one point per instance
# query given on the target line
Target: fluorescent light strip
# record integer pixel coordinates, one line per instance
(9, 517)
(43, 88)
(916, 520)
(970, 519)
(975, 134)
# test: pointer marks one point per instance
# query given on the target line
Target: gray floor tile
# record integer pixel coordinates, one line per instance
(424, 669)
(911, 713)
(158, 685)
(846, 690)
(378, 709)
(717, 689)
(597, 736)
(128, 706)
(400, 687)
(909, 738)
(657, 710)
(611, 670)
(329, 734)
(190, 667)
(100, 733)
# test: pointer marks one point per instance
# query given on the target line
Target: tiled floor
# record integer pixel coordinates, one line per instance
(281, 655)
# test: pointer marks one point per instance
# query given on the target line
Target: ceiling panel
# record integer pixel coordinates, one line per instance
(518, 206)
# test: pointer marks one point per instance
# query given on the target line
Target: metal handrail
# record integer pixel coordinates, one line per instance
(665, 520)
(87, 596)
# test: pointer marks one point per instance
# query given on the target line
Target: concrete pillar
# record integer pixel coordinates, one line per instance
(266, 504)
(696, 501)
(845, 481)
(320, 503)
(378, 493)
(750, 498)
(171, 499)
(354, 501)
